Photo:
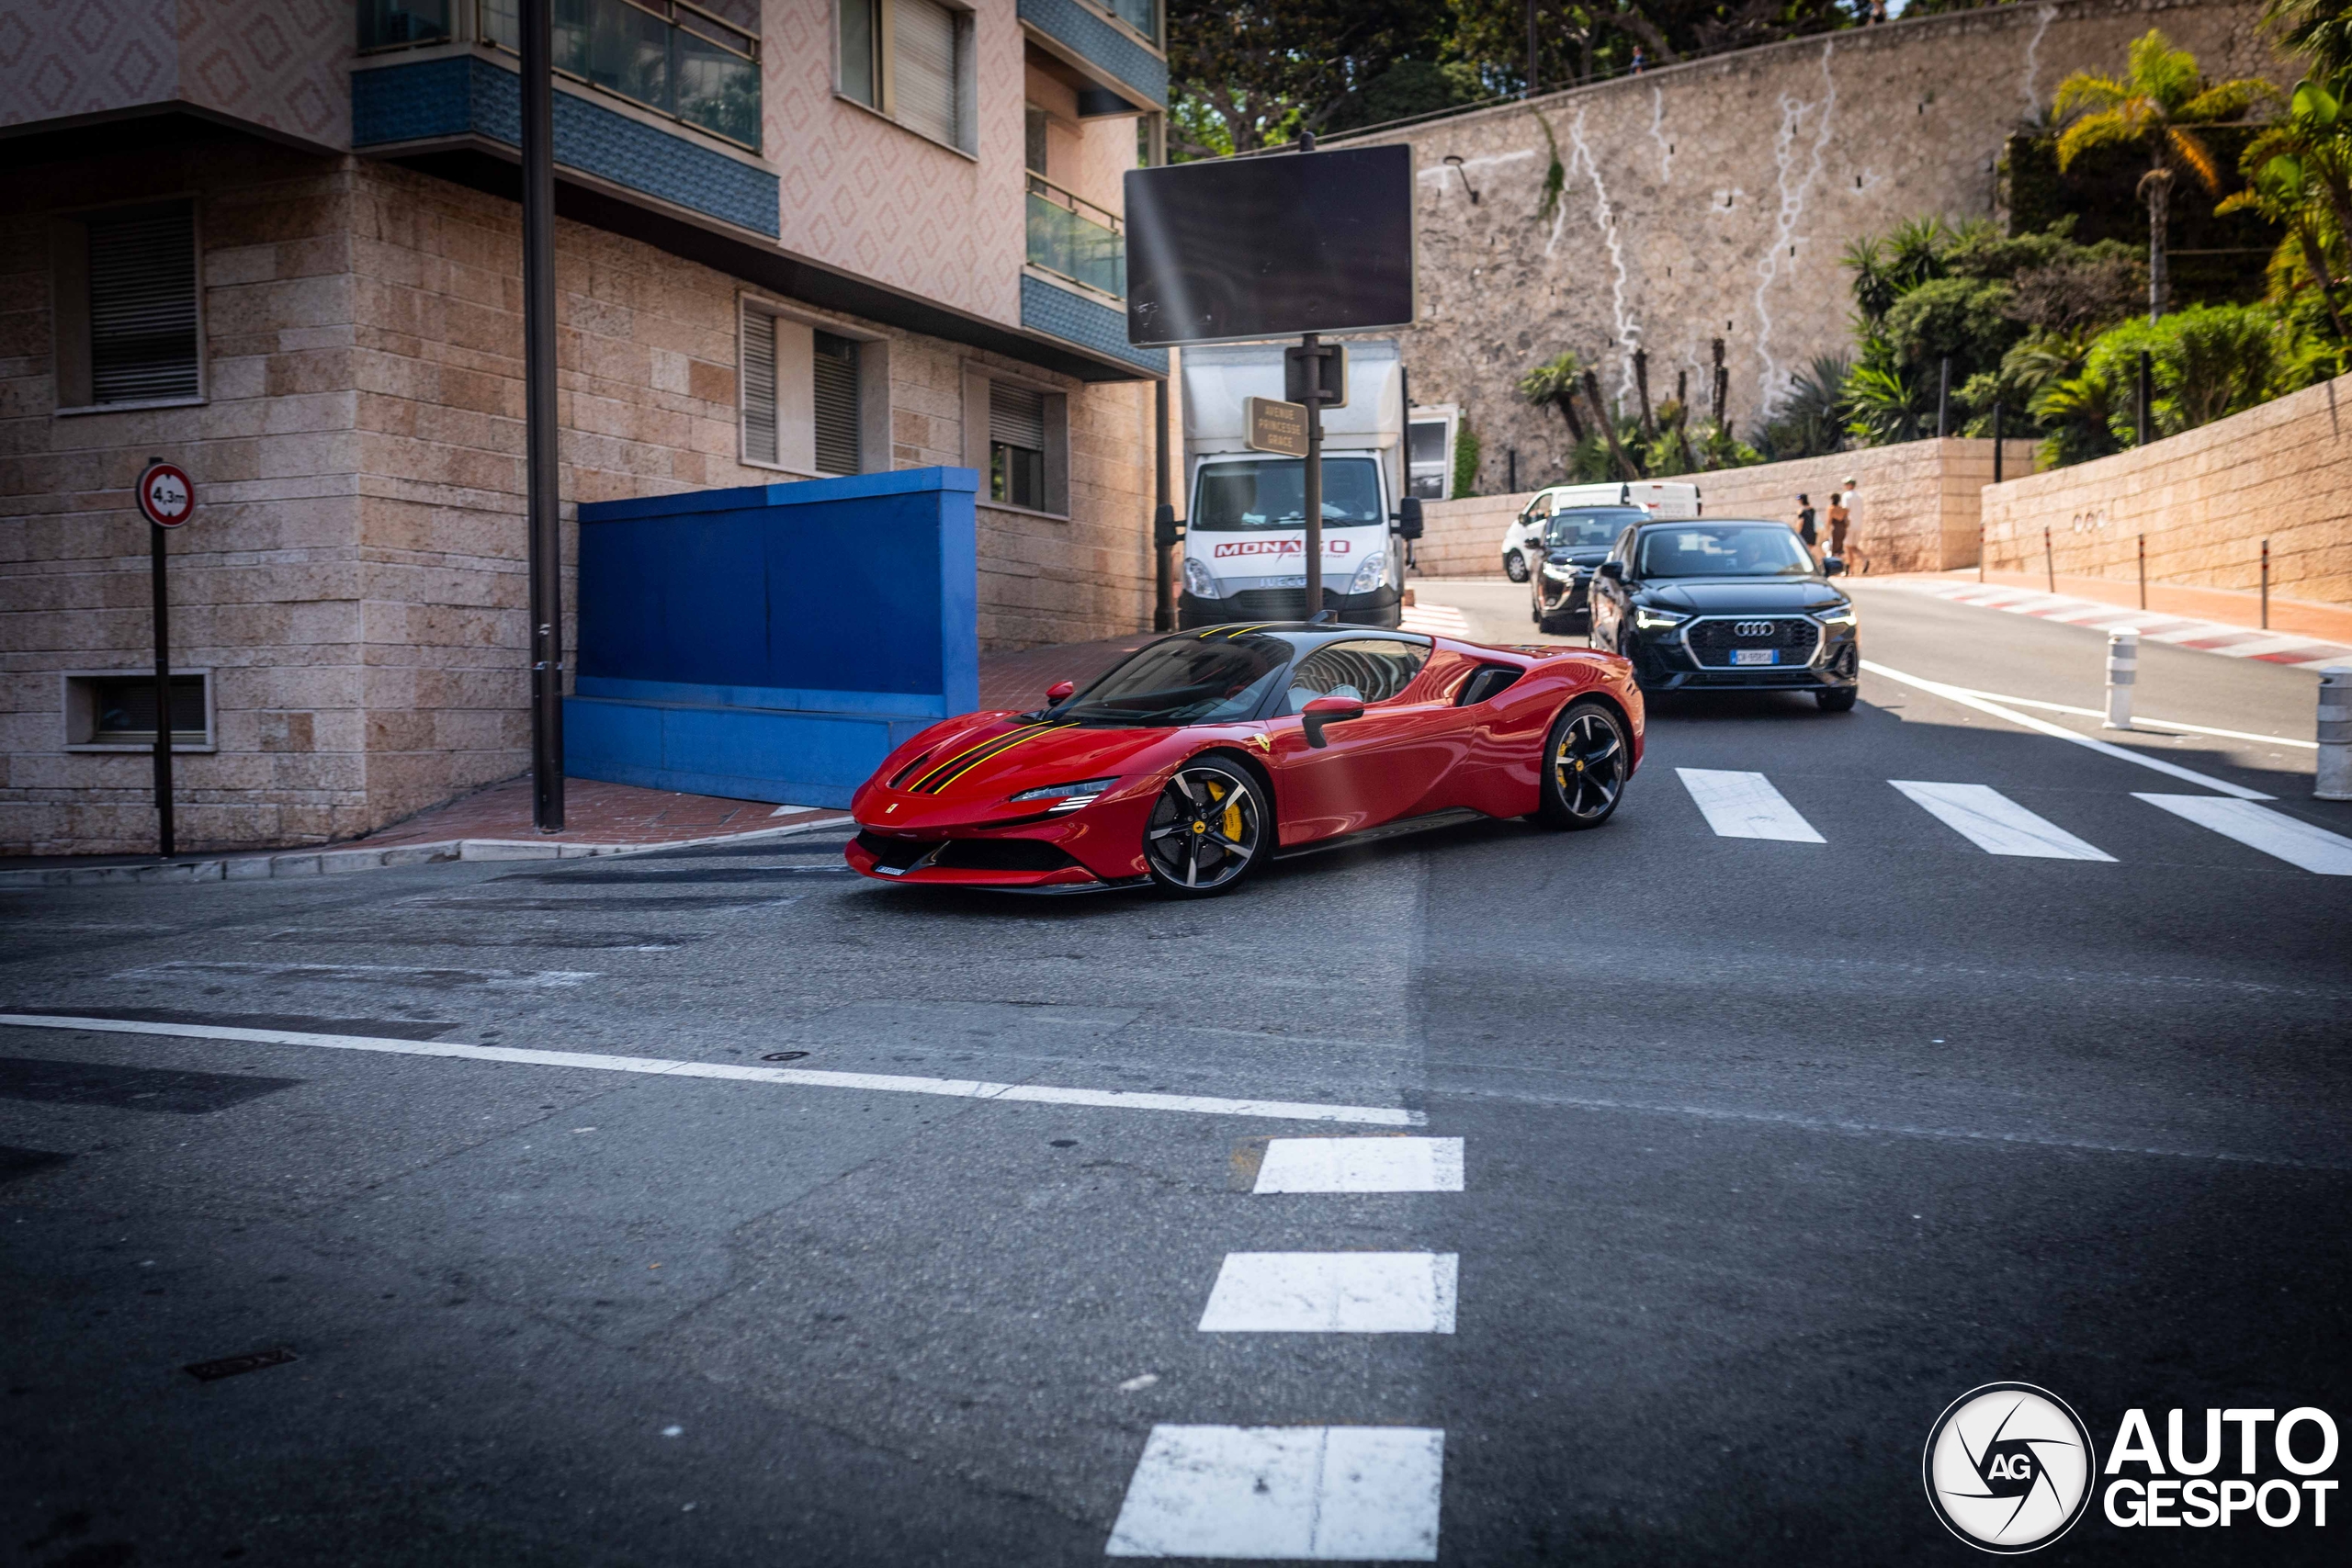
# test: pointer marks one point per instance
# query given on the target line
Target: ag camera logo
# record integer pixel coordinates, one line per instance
(2008, 1467)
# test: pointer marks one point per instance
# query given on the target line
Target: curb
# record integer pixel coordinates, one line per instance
(320, 862)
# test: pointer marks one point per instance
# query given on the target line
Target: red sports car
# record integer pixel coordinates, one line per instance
(1206, 754)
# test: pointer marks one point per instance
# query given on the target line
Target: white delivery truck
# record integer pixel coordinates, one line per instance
(1245, 534)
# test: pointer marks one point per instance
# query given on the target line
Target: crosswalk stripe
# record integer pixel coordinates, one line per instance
(1995, 823)
(2273, 832)
(1333, 1293)
(1745, 806)
(1327, 1494)
(1361, 1165)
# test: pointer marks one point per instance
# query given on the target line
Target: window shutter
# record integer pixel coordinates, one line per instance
(758, 386)
(924, 75)
(836, 386)
(1017, 416)
(142, 306)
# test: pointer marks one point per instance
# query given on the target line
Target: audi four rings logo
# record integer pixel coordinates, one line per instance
(2008, 1467)
(1751, 628)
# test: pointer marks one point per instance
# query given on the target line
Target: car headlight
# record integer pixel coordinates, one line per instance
(1843, 615)
(1072, 797)
(1368, 575)
(1199, 580)
(1648, 620)
(1561, 573)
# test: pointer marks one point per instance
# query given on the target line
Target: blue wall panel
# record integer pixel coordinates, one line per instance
(1074, 318)
(774, 642)
(1091, 37)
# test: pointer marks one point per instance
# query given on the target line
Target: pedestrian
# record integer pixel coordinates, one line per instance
(1876, 15)
(1841, 517)
(1806, 530)
(1638, 60)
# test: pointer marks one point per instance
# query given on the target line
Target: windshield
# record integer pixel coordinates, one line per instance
(1270, 492)
(1723, 549)
(1596, 526)
(1184, 681)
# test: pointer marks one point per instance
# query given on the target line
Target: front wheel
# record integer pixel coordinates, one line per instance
(1585, 761)
(1208, 831)
(1515, 565)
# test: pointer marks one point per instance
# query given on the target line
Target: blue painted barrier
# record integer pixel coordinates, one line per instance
(773, 642)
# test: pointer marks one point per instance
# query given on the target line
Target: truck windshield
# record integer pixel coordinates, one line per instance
(1270, 492)
(1594, 527)
(1184, 681)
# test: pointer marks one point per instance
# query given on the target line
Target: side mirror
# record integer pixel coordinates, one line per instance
(1060, 692)
(1614, 570)
(1327, 710)
(1408, 517)
(1165, 535)
(1831, 566)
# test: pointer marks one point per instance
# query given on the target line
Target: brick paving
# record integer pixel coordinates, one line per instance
(593, 813)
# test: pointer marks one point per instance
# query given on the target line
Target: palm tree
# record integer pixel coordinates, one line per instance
(2320, 30)
(2155, 104)
(2284, 193)
(1555, 386)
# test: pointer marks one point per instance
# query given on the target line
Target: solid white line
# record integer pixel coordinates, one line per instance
(2059, 732)
(1333, 1293)
(1745, 806)
(1284, 1494)
(1995, 823)
(2273, 832)
(804, 1077)
(1361, 1165)
(2140, 721)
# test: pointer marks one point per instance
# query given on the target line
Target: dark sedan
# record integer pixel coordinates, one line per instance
(1726, 604)
(1574, 542)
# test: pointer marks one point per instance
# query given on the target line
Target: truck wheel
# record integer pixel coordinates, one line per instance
(1514, 565)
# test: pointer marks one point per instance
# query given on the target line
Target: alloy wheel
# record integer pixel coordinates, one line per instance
(1206, 829)
(1589, 765)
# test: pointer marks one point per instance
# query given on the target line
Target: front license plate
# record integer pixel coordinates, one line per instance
(1298, 582)
(1755, 656)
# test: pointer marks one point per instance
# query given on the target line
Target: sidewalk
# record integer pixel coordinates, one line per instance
(2212, 620)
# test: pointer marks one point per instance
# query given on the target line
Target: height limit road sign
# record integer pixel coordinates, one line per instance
(166, 495)
(1276, 427)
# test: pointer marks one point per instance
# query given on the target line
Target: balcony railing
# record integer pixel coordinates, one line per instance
(666, 55)
(1072, 237)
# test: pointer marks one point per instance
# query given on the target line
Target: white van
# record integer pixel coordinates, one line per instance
(1244, 528)
(1659, 498)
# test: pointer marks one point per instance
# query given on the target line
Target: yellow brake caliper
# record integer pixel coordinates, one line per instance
(1231, 821)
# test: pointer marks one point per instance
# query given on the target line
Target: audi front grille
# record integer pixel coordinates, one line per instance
(1713, 640)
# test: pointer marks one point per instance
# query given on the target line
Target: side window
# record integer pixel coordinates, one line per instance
(1374, 669)
(910, 59)
(1017, 435)
(1624, 551)
(804, 395)
(1537, 510)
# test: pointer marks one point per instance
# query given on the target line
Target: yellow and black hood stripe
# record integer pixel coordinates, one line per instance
(971, 757)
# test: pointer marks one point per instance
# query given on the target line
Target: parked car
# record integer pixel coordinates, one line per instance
(1575, 541)
(1727, 604)
(1658, 498)
(1206, 754)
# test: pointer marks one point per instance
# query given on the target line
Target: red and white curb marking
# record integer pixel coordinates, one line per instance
(2206, 637)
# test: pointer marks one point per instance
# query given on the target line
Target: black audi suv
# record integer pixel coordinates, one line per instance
(1576, 541)
(1726, 604)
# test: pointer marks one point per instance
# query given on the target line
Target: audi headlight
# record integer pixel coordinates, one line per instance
(1199, 580)
(1072, 797)
(1843, 615)
(1368, 575)
(1648, 620)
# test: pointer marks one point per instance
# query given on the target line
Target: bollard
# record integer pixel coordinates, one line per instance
(2335, 779)
(2122, 674)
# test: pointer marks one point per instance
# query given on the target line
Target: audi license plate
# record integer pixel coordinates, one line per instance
(1755, 656)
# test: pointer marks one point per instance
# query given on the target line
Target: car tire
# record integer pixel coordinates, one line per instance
(1584, 767)
(1212, 806)
(1555, 625)
(1514, 565)
(1837, 699)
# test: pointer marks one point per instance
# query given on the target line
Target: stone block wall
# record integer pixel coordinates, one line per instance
(2204, 500)
(354, 574)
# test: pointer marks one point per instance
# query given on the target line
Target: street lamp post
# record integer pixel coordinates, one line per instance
(541, 496)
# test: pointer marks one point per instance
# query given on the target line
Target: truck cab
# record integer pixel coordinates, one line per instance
(1245, 537)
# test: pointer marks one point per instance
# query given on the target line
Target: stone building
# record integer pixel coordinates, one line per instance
(279, 247)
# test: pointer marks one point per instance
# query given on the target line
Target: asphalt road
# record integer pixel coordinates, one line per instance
(1771, 1149)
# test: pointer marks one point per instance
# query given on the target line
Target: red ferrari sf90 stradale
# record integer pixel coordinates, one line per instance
(1206, 754)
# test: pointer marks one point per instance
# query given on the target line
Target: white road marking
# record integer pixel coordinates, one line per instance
(361, 974)
(804, 1077)
(1333, 1293)
(1288, 1494)
(2141, 721)
(1995, 823)
(1361, 1165)
(2273, 832)
(1745, 806)
(2059, 732)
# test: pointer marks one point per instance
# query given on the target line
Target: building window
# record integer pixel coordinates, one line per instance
(128, 327)
(1028, 446)
(910, 59)
(671, 56)
(1429, 449)
(398, 24)
(114, 710)
(804, 395)
(1036, 129)
(1141, 14)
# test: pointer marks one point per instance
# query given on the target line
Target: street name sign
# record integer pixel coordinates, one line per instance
(1276, 427)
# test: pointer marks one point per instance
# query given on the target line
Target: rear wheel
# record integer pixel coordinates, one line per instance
(1208, 831)
(1585, 761)
(1515, 565)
